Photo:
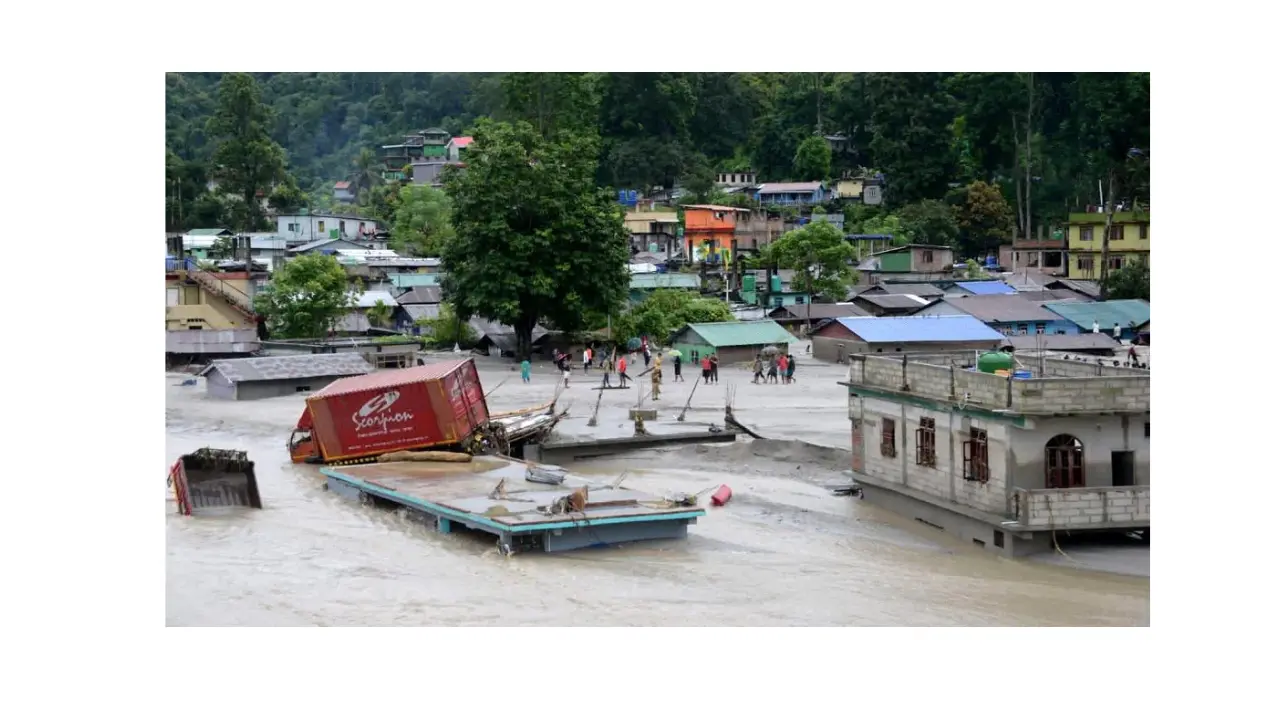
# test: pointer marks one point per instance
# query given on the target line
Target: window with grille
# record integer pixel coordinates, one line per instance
(926, 443)
(888, 438)
(1086, 234)
(1084, 263)
(1117, 232)
(976, 466)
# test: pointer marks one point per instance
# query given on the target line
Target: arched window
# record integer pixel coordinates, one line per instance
(1064, 462)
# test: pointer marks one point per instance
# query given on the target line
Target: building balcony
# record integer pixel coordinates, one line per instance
(1082, 508)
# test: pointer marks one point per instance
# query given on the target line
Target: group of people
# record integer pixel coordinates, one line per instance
(781, 369)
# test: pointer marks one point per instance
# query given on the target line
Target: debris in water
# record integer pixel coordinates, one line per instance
(545, 474)
(722, 495)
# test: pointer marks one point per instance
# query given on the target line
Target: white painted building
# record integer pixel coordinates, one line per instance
(310, 227)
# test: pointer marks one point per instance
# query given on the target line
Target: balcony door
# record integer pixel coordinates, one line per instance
(1064, 462)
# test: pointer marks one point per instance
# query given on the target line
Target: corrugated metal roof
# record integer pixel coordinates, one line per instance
(895, 302)
(317, 244)
(919, 289)
(738, 334)
(997, 308)
(1107, 313)
(463, 141)
(404, 262)
(986, 287)
(1046, 296)
(1088, 287)
(422, 312)
(421, 296)
(342, 185)
(918, 328)
(369, 298)
(794, 187)
(413, 280)
(817, 311)
(388, 378)
(1055, 342)
(207, 231)
(651, 281)
(290, 366)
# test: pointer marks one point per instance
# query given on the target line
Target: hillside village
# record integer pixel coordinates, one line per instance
(1039, 295)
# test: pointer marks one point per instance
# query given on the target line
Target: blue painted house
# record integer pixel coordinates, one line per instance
(1007, 314)
(802, 193)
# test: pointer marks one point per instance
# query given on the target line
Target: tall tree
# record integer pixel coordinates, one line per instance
(985, 218)
(820, 257)
(812, 160)
(306, 297)
(932, 222)
(535, 238)
(911, 133)
(368, 170)
(644, 123)
(422, 226)
(246, 161)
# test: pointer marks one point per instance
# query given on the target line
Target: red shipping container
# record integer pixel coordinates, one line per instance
(413, 408)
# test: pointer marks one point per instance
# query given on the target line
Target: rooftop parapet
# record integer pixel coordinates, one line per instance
(1065, 390)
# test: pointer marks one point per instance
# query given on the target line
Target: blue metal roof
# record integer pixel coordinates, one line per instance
(945, 328)
(987, 287)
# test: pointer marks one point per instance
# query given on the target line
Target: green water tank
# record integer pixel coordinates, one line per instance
(775, 284)
(989, 362)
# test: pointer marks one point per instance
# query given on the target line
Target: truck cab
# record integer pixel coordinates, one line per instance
(302, 447)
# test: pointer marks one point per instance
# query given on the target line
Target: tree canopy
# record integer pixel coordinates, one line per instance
(1044, 140)
(1131, 282)
(305, 298)
(246, 161)
(820, 257)
(665, 311)
(422, 226)
(534, 236)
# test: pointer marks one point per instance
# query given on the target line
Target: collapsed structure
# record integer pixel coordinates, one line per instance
(1005, 461)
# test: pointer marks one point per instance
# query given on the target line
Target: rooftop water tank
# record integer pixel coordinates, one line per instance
(989, 362)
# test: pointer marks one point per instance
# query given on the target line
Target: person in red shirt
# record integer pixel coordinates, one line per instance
(706, 369)
(622, 371)
(782, 368)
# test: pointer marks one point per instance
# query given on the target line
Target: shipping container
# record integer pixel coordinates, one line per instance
(429, 406)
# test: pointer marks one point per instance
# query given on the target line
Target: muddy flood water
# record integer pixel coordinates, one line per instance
(785, 551)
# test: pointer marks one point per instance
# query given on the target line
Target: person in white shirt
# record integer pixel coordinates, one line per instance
(1095, 325)
(586, 360)
(1115, 332)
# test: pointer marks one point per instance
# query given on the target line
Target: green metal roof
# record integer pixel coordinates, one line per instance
(653, 281)
(207, 231)
(1107, 313)
(407, 280)
(737, 334)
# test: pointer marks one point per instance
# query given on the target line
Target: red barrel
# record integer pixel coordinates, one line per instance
(721, 496)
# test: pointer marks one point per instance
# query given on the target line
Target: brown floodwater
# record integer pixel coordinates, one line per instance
(785, 551)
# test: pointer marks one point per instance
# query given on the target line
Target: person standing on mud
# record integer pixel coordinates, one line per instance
(715, 368)
(586, 360)
(773, 370)
(676, 376)
(706, 369)
(622, 372)
(525, 369)
(757, 370)
(791, 369)
(782, 369)
(656, 379)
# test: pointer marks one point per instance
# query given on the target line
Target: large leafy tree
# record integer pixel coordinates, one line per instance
(305, 298)
(820, 257)
(246, 161)
(552, 102)
(535, 238)
(665, 311)
(1131, 282)
(422, 226)
(813, 160)
(932, 222)
(985, 218)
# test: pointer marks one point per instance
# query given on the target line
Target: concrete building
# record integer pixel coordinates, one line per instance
(312, 226)
(344, 192)
(654, 232)
(1006, 314)
(837, 339)
(643, 284)
(734, 342)
(264, 377)
(456, 148)
(209, 313)
(754, 229)
(1130, 242)
(709, 231)
(735, 179)
(909, 263)
(1004, 462)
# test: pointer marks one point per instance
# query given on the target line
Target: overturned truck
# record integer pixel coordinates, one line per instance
(430, 407)
(212, 478)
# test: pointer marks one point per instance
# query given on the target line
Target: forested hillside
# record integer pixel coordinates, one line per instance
(929, 133)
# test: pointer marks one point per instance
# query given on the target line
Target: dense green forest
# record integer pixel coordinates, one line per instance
(1046, 140)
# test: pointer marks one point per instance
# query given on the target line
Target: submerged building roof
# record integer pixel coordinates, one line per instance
(289, 367)
(944, 328)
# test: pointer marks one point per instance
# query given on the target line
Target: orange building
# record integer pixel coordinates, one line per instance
(708, 229)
